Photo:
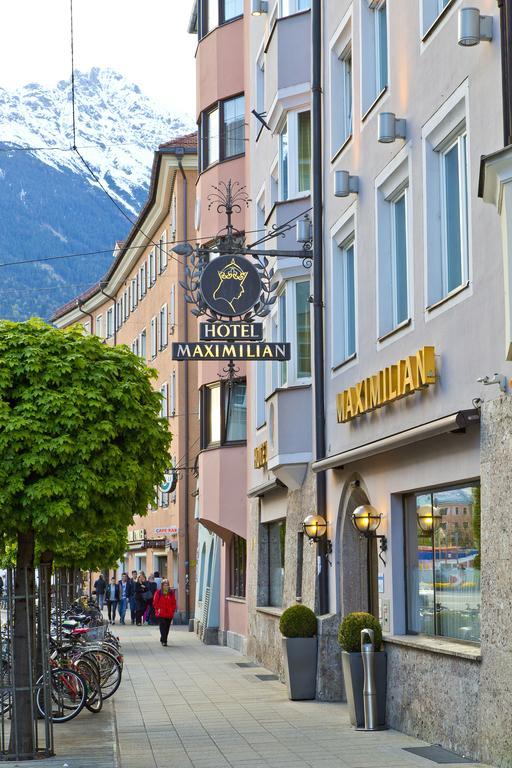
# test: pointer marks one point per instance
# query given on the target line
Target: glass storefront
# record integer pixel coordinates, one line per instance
(443, 562)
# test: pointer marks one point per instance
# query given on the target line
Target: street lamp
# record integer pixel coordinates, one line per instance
(429, 518)
(366, 519)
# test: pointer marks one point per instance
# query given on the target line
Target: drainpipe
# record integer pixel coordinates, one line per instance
(505, 7)
(318, 280)
(179, 151)
(115, 311)
(80, 304)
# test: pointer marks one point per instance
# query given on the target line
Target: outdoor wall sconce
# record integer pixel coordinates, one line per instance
(473, 28)
(429, 518)
(344, 184)
(304, 230)
(258, 7)
(314, 527)
(366, 520)
(390, 127)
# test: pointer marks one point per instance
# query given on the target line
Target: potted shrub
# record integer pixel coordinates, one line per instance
(349, 637)
(298, 627)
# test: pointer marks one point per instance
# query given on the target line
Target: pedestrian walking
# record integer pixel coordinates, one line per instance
(164, 603)
(112, 594)
(149, 613)
(158, 579)
(100, 586)
(133, 605)
(142, 596)
(125, 595)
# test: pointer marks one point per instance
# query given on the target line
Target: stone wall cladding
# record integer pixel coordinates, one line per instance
(495, 700)
(434, 698)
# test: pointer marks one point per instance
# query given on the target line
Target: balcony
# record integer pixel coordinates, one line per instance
(223, 490)
(290, 435)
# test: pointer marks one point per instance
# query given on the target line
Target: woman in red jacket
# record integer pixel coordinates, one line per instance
(164, 603)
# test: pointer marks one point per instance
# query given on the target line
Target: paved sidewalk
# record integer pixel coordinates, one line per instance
(193, 706)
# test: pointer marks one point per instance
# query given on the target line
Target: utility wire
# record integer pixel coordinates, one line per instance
(72, 73)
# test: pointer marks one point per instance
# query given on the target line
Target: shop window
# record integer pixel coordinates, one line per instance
(238, 559)
(276, 535)
(295, 155)
(223, 414)
(374, 64)
(443, 565)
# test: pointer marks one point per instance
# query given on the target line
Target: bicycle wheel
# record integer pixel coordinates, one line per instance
(110, 671)
(5, 682)
(68, 695)
(89, 672)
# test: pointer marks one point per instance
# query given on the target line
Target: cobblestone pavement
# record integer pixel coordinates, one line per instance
(192, 706)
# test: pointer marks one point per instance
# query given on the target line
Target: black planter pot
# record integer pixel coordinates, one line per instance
(300, 657)
(352, 664)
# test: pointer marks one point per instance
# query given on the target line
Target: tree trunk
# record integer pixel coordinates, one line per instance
(22, 739)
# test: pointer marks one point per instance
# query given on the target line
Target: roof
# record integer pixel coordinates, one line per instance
(188, 143)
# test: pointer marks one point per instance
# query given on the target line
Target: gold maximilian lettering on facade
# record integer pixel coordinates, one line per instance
(398, 380)
(260, 456)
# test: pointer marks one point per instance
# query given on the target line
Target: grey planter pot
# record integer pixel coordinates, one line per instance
(352, 665)
(300, 657)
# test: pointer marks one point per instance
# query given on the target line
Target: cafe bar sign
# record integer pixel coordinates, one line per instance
(398, 380)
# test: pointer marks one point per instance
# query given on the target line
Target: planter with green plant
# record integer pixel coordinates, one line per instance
(349, 637)
(298, 626)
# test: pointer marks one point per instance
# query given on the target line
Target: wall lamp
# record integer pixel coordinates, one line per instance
(390, 127)
(258, 7)
(304, 230)
(344, 184)
(429, 518)
(473, 28)
(315, 527)
(366, 520)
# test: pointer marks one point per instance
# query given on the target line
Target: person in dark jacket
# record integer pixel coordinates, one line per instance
(149, 613)
(112, 594)
(141, 595)
(133, 606)
(125, 594)
(164, 603)
(100, 586)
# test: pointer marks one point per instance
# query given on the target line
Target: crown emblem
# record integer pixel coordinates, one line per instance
(232, 272)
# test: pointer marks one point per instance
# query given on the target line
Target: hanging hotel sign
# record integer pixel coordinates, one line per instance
(392, 383)
(230, 285)
(224, 350)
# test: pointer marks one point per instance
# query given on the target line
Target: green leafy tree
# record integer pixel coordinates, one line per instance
(82, 447)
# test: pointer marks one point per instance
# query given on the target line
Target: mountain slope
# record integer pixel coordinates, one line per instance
(49, 203)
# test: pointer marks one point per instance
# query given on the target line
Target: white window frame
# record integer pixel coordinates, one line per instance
(148, 272)
(390, 185)
(259, 81)
(119, 313)
(152, 267)
(164, 326)
(291, 122)
(164, 410)
(134, 294)
(99, 326)
(153, 338)
(172, 309)
(110, 323)
(343, 235)
(430, 12)
(172, 399)
(370, 58)
(289, 7)
(275, 376)
(143, 344)
(439, 134)
(172, 227)
(163, 253)
(341, 87)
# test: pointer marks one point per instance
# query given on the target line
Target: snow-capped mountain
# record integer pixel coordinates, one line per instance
(49, 203)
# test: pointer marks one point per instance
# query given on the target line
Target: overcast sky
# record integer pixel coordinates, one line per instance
(145, 41)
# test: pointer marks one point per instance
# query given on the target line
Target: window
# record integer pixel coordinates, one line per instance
(119, 314)
(446, 199)
(238, 559)
(126, 306)
(172, 308)
(99, 326)
(154, 338)
(142, 281)
(260, 393)
(291, 321)
(443, 566)
(276, 535)
(148, 272)
(431, 10)
(87, 326)
(133, 294)
(344, 302)
(164, 391)
(374, 63)
(110, 322)
(392, 246)
(164, 336)
(162, 254)
(288, 7)
(142, 344)
(215, 12)
(223, 414)
(341, 90)
(135, 346)
(295, 155)
(283, 367)
(222, 131)
(303, 329)
(233, 127)
(172, 402)
(152, 267)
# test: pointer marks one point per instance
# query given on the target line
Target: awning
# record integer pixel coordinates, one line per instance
(266, 487)
(456, 422)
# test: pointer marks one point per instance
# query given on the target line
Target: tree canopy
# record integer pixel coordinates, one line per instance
(82, 444)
